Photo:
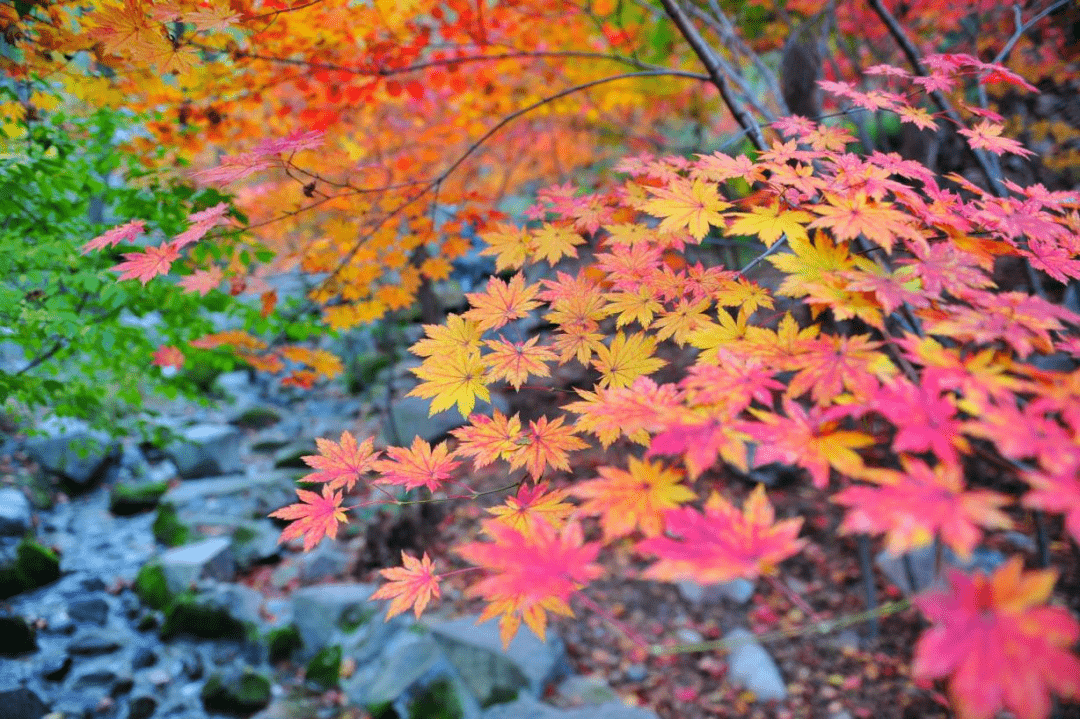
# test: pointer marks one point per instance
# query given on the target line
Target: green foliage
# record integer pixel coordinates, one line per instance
(73, 340)
(168, 529)
(151, 587)
(439, 701)
(127, 499)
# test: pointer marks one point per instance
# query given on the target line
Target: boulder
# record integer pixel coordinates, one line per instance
(22, 704)
(493, 675)
(16, 636)
(128, 498)
(236, 692)
(206, 450)
(322, 612)
(16, 515)
(74, 452)
(209, 559)
(26, 565)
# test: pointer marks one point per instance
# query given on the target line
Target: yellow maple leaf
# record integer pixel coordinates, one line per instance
(501, 302)
(510, 245)
(553, 242)
(449, 379)
(634, 498)
(683, 205)
(455, 336)
(626, 359)
(769, 223)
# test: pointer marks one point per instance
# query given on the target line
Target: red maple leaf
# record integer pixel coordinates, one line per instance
(145, 266)
(313, 517)
(167, 356)
(121, 233)
(559, 564)
(1000, 648)
(722, 543)
(201, 281)
(341, 463)
(410, 586)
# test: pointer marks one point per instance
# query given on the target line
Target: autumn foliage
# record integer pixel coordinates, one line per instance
(892, 329)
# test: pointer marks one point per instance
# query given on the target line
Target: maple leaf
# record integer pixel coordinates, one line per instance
(626, 359)
(811, 440)
(560, 564)
(987, 136)
(313, 517)
(700, 440)
(412, 585)
(237, 338)
(915, 505)
(126, 232)
(553, 242)
(510, 245)
(687, 206)
(828, 365)
(340, 463)
(545, 444)
(417, 466)
(325, 364)
(683, 321)
(537, 504)
(849, 216)
(721, 543)
(501, 302)
(627, 411)
(201, 223)
(145, 266)
(634, 498)
(1057, 489)
(166, 356)
(201, 281)
(998, 645)
(455, 335)
(487, 439)
(924, 417)
(452, 379)
(634, 306)
(516, 361)
(769, 223)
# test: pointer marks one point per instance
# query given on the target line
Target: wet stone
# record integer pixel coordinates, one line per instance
(91, 644)
(92, 610)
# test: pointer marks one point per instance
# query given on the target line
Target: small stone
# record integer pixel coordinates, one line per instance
(56, 667)
(92, 644)
(144, 657)
(750, 666)
(191, 665)
(141, 707)
(16, 636)
(16, 515)
(93, 610)
(94, 678)
(636, 673)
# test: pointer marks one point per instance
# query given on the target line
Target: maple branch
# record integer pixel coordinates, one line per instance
(1022, 28)
(713, 64)
(775, 246)
(993, 175)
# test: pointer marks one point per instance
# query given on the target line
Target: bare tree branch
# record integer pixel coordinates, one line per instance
(714, 66)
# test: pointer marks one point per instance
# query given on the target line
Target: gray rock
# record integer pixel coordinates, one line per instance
(73, 451)
(16, 636)
(738, 591)
(255, 542)
(410, 417)
(22, 704)
(529, 708)
(326, 561)
(920, 563)
(141, 707)
(407, 659)
(750, 666)
(95, 642)
(93, 610)
(322, 611)
(242, 602)
(527, 665)
(206, 450)
(16, 515)
(577, 690)
(236, 692)
(234, 498)
(209, 559)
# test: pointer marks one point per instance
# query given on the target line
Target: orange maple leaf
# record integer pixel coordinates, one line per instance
(121, 233)
(410, 586)
(516, 361)
(533, 505)
(202, 281)
(341, 463)
(486, 439)
(501, 302)
(545, 443)
(626, 359)
(633, 500)
(418, 466)
(987, 136)
(313, 517)
(722, 543)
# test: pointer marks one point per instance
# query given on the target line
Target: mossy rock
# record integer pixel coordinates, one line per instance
(187, 615)
(324, 669)
(151, 586)
(257, 418)
(168, 529)
(236, 693)
(282, 642)
(364, 371)
(438, 701)
(128, 499)
(34, 566)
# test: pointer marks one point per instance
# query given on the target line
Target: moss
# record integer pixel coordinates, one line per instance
(282, 642)
(187, 615)
(168, 529)
(243, 535)
(324, 669)
(356, 617)
(364, 370)
(257, 418)
(244, 694)
(439, 701)
(151, 587)
(382, 710)
(34, 566)
(500, 695)
(128, 499)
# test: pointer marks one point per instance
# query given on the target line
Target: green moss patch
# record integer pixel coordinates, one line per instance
(151, 587)
(324, 669)
(439, 701)
(187, 615)
(282, 642)
(34, 566)
(129, 499)
(243, 693)
(168, 529)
